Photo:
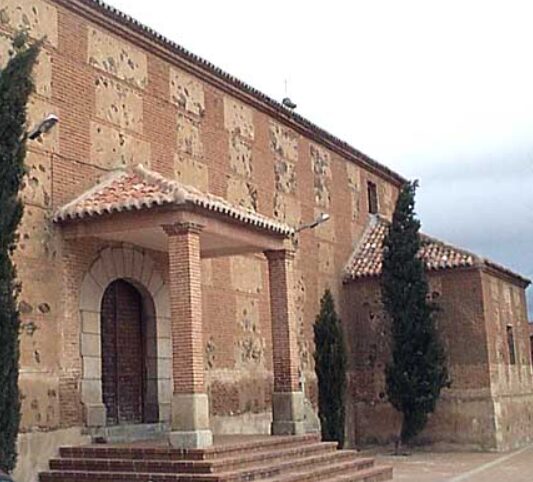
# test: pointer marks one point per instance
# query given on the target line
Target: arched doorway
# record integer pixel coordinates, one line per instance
(137, 269)
(123, 341)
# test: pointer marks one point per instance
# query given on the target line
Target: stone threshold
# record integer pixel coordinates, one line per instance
(127, 433)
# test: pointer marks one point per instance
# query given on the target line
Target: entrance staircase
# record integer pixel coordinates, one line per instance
(270, 459)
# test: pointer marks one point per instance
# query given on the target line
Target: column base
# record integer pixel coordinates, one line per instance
(190, 421)
(190, 412)
(288, 412)
(195, 439)
(95, 415)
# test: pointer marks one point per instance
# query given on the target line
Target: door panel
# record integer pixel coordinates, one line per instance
(122, 354)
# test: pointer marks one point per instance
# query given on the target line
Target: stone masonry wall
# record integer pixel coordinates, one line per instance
(512, 384)
(465, 413)
(120, 104)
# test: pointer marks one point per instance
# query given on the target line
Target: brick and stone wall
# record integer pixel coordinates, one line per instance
(121, 101)
(511, 376)
(468, 413)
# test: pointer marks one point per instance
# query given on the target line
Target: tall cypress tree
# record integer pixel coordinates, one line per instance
(417, 372)
(16, 85)
(330, 367)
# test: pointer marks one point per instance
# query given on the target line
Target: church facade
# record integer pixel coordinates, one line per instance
(166, 285)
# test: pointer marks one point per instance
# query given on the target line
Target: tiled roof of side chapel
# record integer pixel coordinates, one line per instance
(366, 260)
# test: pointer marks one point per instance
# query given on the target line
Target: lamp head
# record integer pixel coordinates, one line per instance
(321, 219)
(44, 126)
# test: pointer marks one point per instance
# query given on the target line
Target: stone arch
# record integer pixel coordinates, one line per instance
(138, 268)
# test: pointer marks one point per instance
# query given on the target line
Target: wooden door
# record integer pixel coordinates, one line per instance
(122, 354)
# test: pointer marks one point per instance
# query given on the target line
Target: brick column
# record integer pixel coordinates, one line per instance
(288, 398)
(190, 406)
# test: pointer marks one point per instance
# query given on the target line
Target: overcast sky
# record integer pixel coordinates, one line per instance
(440, 91)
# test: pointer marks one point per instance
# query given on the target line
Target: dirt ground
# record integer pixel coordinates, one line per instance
(515, 466)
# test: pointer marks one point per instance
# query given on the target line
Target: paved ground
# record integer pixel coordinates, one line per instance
(516, 466)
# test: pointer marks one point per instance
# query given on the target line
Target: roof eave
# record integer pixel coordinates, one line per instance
(504, 272)
(64, 219)
(348, 279)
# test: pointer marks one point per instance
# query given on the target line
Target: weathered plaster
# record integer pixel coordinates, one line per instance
(35, 234)
(37, 184)
(239, 118)
(246, 274)
(284, 142)
(188, 136)
(37, 448)
(191, 172)
(326, 258)
(186, 92)
(242, 193)
(118, 104)
(304, 349)
(42, 70)
(38, 18)
(325, 231)
(285, 175)
(207, 272)
(321, 166)
(38, 337)
(245, 424)
(240, 156)
(250, 345)
(112, 148)
(287, 209)
(386, 196)
(117, 58)
(353, 174)
(39, 393)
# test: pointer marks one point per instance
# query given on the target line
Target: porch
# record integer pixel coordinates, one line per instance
(142, 209)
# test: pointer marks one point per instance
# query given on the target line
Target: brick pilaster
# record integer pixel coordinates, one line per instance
(284, 330)
(186, 307)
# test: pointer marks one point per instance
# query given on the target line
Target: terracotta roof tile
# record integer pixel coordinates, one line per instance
(366, 260)
(140, 188)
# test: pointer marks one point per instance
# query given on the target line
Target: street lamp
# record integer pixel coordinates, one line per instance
(320, 220)
(43, 127)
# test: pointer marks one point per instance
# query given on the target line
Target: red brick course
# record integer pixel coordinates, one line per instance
(285, 348)
(188, 366)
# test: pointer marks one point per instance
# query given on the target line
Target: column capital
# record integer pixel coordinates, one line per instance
(182, 228)
(285, 253)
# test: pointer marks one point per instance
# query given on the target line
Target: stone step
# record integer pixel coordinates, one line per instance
(314, 466)
(373, 474)
(342, 472)
(126, 433)
(161, 452)
(318, 463)
(193, 466)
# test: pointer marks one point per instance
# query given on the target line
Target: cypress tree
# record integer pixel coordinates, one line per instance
(417, 372)
(16, 85)
(330, 368)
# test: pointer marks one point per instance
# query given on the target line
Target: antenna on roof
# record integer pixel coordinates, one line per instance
(287, 102)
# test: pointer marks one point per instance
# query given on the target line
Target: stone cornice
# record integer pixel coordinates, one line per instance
(283, 254)
(182, 228)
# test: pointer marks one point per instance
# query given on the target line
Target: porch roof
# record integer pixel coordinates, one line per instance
(139, 189)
